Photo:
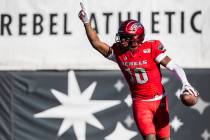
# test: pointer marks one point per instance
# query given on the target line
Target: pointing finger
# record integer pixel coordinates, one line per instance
(82, 6)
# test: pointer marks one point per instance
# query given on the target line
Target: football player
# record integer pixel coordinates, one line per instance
(140, 62)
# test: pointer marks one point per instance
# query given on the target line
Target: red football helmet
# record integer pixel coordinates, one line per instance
(130, 28)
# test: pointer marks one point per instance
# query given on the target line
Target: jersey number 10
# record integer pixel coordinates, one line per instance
(140, 75)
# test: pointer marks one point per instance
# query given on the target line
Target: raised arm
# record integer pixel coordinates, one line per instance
(96, 43)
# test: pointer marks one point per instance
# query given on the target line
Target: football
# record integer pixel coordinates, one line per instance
(188, 99)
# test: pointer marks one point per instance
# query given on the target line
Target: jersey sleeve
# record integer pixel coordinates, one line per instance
(158, 51)
(112, 56)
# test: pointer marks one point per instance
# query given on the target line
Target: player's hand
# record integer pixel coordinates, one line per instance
(83, 14)
(190, 89)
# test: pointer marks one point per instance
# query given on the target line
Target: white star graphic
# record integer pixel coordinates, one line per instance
(121, 133)
(165, 80)
(205, 135)
(129, 121)
(176, 123)
(76, 108)
(119, 85)
(201, 105)
(128, 100)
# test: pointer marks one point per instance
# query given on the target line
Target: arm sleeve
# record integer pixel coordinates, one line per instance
(178, 71)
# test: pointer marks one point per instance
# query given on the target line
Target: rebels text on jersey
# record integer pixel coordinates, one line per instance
(141, 70)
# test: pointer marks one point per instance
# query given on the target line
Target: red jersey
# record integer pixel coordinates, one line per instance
(141, 70)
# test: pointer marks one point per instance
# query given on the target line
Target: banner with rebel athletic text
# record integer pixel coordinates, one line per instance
(49, 35)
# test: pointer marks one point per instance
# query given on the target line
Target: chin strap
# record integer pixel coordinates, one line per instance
(129, 45)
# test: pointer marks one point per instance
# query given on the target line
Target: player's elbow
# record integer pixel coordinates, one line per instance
(171, 65)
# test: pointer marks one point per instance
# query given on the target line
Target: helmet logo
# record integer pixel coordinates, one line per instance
(133, 27)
